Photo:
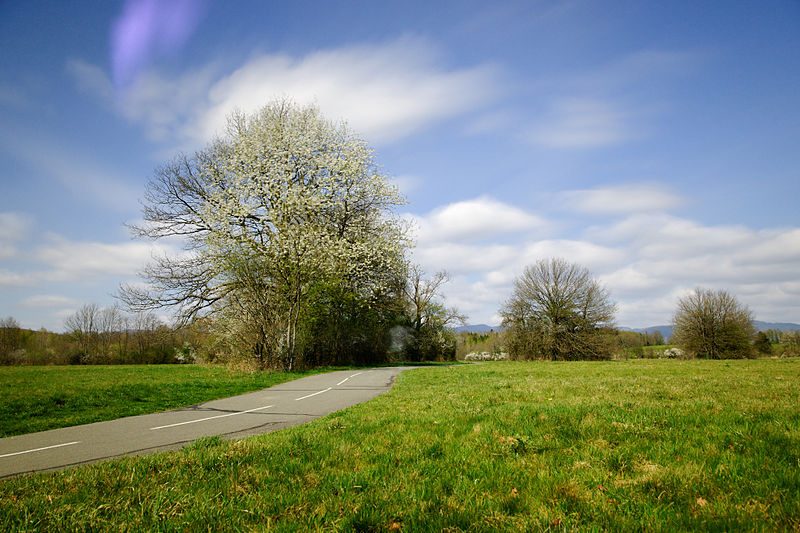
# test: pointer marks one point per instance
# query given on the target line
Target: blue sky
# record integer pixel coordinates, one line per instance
(655, 143)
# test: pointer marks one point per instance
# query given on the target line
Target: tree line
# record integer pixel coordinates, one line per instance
(559, 311)
(95, 335)
(293, 255)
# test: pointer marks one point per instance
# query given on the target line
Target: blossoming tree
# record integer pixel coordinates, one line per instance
(283, 202)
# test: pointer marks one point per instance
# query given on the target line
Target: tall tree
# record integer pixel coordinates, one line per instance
(283, 201)
(10, 339)
(558, 311)
(713, 324)
(84, 327)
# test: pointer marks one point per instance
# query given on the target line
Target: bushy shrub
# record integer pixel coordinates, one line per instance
(713, 324)
(486, 356)
(674, 353)
(791, 343)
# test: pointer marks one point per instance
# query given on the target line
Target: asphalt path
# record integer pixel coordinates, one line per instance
(278, 407)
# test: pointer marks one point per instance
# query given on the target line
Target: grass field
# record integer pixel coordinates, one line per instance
(654, 445)
(37, 398)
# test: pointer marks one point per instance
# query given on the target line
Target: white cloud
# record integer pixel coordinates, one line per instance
(384, 91)
(66, 260)
(621, 199)
(646, 260)
(472, 220)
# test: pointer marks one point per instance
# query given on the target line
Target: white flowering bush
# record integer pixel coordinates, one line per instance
(673, 353)
(486, 356)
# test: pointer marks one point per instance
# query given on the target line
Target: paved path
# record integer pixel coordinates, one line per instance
(278, 407)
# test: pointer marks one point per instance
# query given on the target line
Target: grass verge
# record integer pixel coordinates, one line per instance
(649, 445)
(38, 398)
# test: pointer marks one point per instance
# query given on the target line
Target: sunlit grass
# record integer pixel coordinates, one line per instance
(37, 398)
(621, 446)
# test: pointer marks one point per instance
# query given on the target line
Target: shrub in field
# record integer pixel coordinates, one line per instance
(673, 353)
(713, 324)
(558, 311)
(762, 344)
(486, 356)
(791, 343)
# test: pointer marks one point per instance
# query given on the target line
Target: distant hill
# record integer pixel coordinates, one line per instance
(780, 326)
(666, 331)
(760, 326)
(477, 328)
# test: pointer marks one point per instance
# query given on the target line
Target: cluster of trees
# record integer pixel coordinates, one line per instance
(491, 341)
(293, 252)
(714, 324)
(95, 335)
(558, 311)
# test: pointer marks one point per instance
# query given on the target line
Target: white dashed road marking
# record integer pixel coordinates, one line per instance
(345, 379)
(40, 449)
(312, 394)
(211, 418)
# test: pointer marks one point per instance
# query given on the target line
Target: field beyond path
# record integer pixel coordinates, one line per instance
(285, 405)
(38, 398)
(634, 445)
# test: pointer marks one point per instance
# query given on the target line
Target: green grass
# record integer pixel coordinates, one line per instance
(38, 398)
(653, 445)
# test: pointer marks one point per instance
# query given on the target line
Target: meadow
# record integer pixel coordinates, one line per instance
(638, 445)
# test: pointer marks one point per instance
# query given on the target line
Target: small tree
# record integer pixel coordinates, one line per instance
(429, 318)
(791, 342)
(713, 324)
(762, 344)
(84, 328)
(10, 339)
(558, 311)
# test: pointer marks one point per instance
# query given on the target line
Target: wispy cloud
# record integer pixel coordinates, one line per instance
(52, 258)
(9, 278)
(583, 123)
(90, 79)
(385, 91)
(68, 260)
(14, 228)
(608, 105)
(48, 300)
(621, 199)
(82, 174)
